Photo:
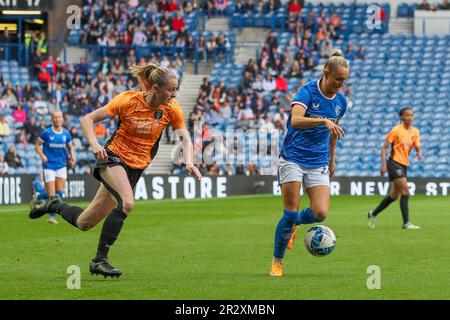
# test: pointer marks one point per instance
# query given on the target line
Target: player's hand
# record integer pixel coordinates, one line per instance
(335, 130)
(191, 169)
(419, 156)
(383, 170)
(99, 152)
(331, 168)
(71, 163)
(44, 159)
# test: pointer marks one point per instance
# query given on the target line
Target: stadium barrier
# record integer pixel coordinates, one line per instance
(17, 189)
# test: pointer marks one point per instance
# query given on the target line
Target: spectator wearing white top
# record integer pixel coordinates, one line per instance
(269, 84)
(165, 62)
(3, 165)
(139, 38)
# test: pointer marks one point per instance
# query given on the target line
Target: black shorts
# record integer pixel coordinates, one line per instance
(112, 161)
(396, 170)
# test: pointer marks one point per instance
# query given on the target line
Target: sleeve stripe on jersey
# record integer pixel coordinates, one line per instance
(299, 103)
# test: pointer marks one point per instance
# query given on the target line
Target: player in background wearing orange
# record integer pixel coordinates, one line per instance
(143, 115)
(402, 138)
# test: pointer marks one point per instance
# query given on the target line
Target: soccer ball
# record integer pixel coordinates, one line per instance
(320, 241)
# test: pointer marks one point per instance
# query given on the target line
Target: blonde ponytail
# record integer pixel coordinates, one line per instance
(151, 74)
(336, 59)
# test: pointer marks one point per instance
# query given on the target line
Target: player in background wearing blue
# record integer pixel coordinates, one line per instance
(307, 155)
(54, 146)
(40, 195)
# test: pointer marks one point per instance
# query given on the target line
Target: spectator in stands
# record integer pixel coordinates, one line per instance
(281, 83)
(257, 84)
(3, 103)
(424, 5)
(44, 78)
(211, 46)
(10, 96)
(272, 40)
(12, 158)
(41, 43)
(445, 5)
(335, 21)
(294, 8)
(28, 92)
(220, 6)
(117, 69)
(32, 129)
(321, 35)
(163, 5)
(178, 22)
(50, 65)
(3, 164)
(311, 21)
(21, 139)
(272, 6)
(100, 130)
(361, 54)
(139, 38)
(173, 5)
(4, 127)
(202, 48)
(19, 114)
(104, 66)
(325, 50)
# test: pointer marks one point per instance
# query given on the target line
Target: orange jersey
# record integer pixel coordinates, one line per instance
(140, 127)
(402, 140)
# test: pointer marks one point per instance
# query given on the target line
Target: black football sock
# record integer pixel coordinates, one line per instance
(110, 231)
(383, 205)
(68, 213)
(404, 208)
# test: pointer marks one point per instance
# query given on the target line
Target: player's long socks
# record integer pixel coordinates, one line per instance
(110, 231)
(383, 205)
(306, 216)
(68, 213)
(404, 208)
(283, 233)
(42, 195)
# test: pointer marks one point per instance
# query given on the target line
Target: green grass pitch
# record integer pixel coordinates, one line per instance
(222, 248)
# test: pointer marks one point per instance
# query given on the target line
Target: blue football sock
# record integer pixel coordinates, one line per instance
(283, 233)
(42, 196)
(60, 194)
(306, 216)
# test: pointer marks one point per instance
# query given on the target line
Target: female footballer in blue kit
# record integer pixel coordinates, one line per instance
(307, 155)
(54, 146)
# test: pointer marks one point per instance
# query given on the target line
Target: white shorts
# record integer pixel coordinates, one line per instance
(292, 172)
(50, 175)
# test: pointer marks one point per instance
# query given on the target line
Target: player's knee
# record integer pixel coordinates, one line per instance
(127, 205)
(320, 214)
(84, 225)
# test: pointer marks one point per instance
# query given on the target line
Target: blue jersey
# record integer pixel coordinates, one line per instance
(310, 148)
(55, 148)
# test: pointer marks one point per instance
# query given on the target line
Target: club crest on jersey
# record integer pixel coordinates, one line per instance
(338, 110)
(158, 114)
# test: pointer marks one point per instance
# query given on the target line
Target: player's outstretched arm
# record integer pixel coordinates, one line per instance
(87, 124)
